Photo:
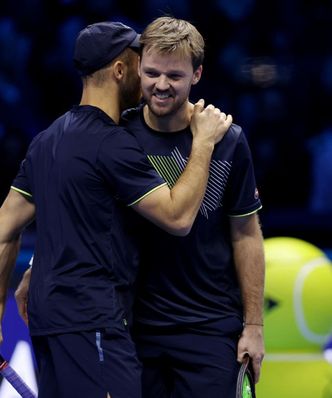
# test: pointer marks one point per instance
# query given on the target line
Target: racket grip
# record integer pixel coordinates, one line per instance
(15, 380)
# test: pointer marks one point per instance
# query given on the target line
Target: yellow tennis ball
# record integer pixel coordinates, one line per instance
(298, 295)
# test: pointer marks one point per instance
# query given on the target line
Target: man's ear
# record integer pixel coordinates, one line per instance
(139, 67)
(197, 75)
(118, 69)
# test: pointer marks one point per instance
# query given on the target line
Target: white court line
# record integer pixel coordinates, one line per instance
(298, 301)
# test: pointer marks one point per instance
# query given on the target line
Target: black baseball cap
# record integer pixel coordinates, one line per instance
(98, 44)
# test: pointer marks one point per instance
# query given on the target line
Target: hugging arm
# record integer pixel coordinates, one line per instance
(15, 214)
(175, 210)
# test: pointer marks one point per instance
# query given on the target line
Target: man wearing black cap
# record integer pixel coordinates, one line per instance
(76, 179)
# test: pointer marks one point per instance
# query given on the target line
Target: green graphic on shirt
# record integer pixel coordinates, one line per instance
(171, 167)
(167, 168)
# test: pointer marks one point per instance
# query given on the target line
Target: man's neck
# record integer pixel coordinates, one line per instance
(169, 123)
(99, 98)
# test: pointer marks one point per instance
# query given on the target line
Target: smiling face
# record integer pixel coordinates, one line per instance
(166, 80)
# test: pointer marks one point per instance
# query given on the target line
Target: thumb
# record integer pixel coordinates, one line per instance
(228, 121)
(242, 355)
(199, 106)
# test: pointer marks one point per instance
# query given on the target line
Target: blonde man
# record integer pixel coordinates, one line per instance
(199, 307)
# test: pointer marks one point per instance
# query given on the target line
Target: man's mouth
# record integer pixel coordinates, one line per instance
(162, 96)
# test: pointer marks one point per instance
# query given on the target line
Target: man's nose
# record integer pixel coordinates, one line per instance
(162, 83)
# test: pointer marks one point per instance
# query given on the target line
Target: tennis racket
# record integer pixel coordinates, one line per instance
(15, 380)
(245, 387)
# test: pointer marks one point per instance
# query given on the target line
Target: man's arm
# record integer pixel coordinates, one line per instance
(175, 210)
(15, 214)
(249, 260)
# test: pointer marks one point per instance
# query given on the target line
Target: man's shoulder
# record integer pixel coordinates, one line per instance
(226, 148)
(234, 131)
(49, 131)
(234, 136)
(131, 115)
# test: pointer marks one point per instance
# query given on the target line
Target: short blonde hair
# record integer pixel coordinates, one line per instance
(168, 34)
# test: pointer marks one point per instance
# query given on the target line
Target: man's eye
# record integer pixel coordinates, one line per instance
(175, 77)
(151, 74)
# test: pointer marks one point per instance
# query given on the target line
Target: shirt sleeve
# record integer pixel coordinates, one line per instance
(22, 181)
(242, 195)
(126, 167)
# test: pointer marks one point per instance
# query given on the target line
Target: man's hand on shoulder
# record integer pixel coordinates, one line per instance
(209, 124)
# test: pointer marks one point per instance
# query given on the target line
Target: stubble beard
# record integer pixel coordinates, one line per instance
(161, 112)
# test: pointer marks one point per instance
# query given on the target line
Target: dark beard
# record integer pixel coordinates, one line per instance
(130, 96)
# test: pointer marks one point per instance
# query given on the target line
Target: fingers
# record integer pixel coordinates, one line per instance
(256, 365)
(228, 120)
(199, 105)
(242, 355)
(209, 124)
(21, 302)
(256, 357)
(21, 295)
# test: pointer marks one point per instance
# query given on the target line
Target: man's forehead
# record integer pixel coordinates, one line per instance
(171, 60)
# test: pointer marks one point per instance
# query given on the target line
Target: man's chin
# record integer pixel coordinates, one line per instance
(160, 111)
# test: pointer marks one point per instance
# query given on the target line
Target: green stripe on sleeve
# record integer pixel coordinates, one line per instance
(246, 214)
(147, 193)
(21, 191)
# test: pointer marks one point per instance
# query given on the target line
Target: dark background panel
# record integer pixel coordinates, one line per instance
(269, 63)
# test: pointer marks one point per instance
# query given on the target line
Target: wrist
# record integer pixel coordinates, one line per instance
(201, 145)
(259, 324)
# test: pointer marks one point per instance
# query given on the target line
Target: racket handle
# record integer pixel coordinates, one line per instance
(15, 380)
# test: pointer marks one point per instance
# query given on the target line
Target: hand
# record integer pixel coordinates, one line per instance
(209, 124)
(21, 295)
(252, 342)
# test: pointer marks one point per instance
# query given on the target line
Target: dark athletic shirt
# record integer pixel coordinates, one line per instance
(81, 173)
(190, 281)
